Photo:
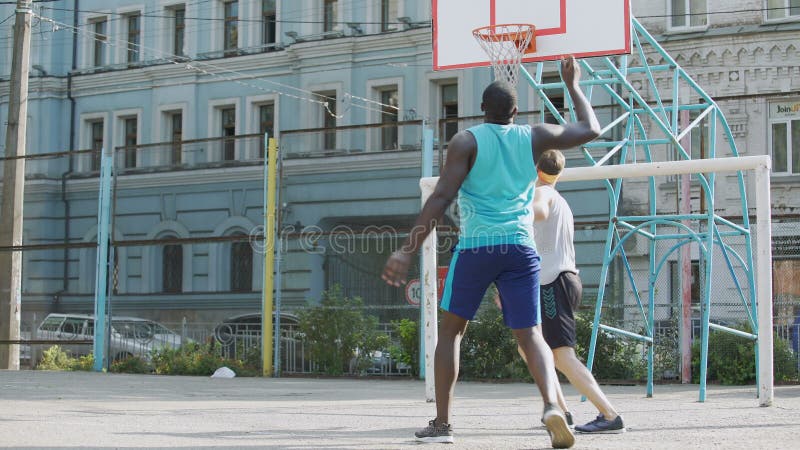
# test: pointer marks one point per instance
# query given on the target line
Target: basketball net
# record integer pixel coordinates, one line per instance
(506, 44)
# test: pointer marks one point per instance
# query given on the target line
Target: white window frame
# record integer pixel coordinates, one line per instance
(374, 11)
(86, 120)
(688, 27)
(786, 17)
(256, 31)
(339, 19)
(316, 114)
(119, 118)
(215, 108)
(218, 39)
(88, 47)
(374, 88)
(165, 39)
(433, 96)
(121, 52)
(253, 114)
(162, 130)
(789, 150)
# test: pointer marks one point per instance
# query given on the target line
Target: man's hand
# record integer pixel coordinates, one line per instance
(570, 71)
(395, 271)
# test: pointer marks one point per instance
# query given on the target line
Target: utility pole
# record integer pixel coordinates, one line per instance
(14, 190)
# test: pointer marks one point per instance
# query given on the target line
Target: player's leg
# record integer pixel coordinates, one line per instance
(562, 402)
(471, 272)
(446, 362)
(560, 300)
(518, 285)
(580, 377)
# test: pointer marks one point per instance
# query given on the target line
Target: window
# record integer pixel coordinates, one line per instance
(228, 134)
(688, 14)
(268, 16)
(231, 38)
(176, 123)
(450, 110)
(100, 38)
(241, 266)
(172, 268)
(388, 14)
(675, 286)
(51, 324)
(73, 326)
(556, 97)
(785, 137)
(783, 9)
(96, 130)
(329, 120)
(131, 129)
(266, 124)
(389, 115)
(329, 14)
(179, 30)
(134, 35)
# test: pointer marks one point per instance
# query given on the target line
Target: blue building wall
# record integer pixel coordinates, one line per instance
(206, 198)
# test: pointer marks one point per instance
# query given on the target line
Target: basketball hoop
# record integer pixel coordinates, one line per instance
(506, 44)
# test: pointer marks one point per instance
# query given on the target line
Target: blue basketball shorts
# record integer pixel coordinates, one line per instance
(513, 268)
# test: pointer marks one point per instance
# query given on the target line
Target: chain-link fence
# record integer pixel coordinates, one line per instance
(186, 260)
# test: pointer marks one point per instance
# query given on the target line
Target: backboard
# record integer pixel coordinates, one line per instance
(581, 28)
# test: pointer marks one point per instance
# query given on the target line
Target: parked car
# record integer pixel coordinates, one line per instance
(129, 335)
(239, 334)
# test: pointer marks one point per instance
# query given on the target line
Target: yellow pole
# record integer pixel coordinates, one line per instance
(269, 257)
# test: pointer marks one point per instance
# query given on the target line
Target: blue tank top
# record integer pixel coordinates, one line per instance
(496, 199)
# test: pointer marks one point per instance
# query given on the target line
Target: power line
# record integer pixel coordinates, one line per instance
(214, 70)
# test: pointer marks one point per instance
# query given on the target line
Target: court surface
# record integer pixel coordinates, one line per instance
(76, 409)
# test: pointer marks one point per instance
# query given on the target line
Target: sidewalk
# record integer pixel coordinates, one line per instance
(76, 409)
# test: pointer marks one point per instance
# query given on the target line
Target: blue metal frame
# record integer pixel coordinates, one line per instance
(662, 112)
(101, 278)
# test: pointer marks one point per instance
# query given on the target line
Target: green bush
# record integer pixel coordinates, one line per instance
(407, 350)
(616, 358)
(55, 358)
(197, 359)
(731, 359)
(489, 350)
(131, 364)
(340, 338)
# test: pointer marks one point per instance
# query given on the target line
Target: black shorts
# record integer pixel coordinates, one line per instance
(559, 300)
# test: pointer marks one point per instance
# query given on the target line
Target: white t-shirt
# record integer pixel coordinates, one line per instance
(554, 239)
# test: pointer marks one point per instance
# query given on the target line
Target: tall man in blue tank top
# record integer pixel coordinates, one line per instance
(491, 169)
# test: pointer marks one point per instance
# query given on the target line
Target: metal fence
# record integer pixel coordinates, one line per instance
(149, 266)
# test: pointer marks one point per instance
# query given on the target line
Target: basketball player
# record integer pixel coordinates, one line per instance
(561, 292)
(491, 168)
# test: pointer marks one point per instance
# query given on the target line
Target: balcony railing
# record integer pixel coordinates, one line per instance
(352, 139)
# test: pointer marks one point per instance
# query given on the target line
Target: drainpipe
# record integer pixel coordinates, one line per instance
(71, 167)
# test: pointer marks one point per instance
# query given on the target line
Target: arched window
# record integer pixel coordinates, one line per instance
(241, 266)
(172, 268)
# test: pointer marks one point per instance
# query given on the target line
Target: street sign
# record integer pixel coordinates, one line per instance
(414, 287)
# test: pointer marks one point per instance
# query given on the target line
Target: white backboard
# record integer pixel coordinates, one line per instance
(581, 28)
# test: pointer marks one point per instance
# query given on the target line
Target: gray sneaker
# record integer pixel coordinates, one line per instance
(568, 416)
(560, 434)
(601, 425)
(441, 434)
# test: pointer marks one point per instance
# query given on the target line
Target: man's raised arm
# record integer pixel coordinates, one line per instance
(586, 128)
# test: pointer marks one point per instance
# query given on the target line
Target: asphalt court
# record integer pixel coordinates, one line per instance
(78, 409)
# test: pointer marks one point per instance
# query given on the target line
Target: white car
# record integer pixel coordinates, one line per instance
(129, 335)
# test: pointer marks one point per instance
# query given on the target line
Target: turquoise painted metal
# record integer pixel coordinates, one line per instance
(101, 278)
(627, 137)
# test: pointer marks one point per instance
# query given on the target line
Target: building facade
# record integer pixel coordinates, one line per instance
(183, 91)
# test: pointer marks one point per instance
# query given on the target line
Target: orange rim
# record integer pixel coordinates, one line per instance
(488, 34)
